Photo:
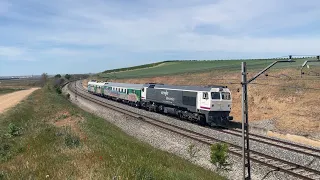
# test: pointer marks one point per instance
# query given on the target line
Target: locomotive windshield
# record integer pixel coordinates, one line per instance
(224, 95)
(215, 95)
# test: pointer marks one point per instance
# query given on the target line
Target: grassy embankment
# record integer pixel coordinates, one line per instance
(36, 145)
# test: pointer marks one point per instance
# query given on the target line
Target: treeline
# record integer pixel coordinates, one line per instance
(136, 67)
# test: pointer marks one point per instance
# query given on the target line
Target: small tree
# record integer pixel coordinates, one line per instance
(43, 79)
(219, 156)
(58, 82)
(67, 76)
(57, 76)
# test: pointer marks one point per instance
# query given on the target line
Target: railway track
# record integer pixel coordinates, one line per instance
(293, 169)
(278, 143)
(309, 151)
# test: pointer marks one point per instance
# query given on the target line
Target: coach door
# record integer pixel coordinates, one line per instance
(143, 93)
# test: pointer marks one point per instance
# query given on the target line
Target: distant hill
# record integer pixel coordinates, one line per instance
(136, 67)
(191, 66)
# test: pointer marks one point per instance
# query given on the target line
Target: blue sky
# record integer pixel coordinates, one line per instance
(66, 36)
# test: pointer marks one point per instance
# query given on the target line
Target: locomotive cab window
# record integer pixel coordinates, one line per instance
(215, 95)
(205, 95)
(225, 96)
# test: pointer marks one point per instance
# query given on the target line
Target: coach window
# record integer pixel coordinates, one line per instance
(142, 89)
(215, 95)
(205, 95)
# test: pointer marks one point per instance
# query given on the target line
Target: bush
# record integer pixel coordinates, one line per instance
(72, 141)
(58, 82)
(4, 152)
(219, 156)
(67, 76)
(13, 130)
(192, 151)
(58, 90)
(2, 175)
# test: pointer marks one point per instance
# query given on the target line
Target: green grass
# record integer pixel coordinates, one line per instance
(42, 149)
(180, 67)
(9, 90)
(135, 67)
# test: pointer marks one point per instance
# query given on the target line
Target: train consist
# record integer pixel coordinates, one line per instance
(206, 105)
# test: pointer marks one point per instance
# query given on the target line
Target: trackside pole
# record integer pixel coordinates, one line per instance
(245, 125)
(75, 85)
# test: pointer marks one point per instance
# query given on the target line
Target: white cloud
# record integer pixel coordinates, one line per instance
(247, 26)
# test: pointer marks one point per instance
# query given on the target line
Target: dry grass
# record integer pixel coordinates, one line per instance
(64, 119)
(294, 108)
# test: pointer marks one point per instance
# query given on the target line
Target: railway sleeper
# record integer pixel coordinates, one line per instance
(298, 171)
(308, 174)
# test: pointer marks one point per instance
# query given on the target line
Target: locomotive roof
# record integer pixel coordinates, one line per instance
(96, 83)
(192, 88)
(124, 85)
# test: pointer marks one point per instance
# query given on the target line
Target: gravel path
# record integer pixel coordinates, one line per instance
(178, 145)
(9, 100)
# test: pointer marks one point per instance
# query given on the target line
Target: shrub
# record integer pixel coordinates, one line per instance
(4, 152)
(13, 130)
(67, 76)
(58, 90)
(71, 140)
(192, 151)
(57, 82)
(219, 156)
(2, 175)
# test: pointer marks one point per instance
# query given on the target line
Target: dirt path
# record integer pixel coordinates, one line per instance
(9, 100)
